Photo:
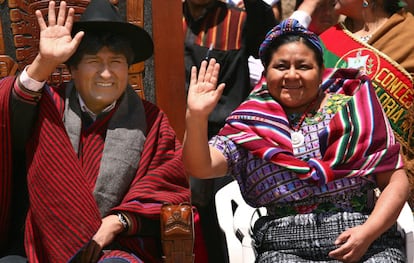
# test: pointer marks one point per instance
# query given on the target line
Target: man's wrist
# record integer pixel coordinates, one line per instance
(30, 83)
(124, 221)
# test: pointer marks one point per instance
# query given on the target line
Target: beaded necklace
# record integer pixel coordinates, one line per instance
(365, 38)
(297, 137)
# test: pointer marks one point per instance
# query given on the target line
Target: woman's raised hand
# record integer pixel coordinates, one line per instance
(203, 93)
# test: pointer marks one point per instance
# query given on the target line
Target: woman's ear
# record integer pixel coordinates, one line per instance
(321, 73)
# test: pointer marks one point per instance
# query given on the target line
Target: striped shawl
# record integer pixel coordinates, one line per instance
(358, 141)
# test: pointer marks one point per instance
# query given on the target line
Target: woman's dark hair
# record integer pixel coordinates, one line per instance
(92, 42)
(290, 38)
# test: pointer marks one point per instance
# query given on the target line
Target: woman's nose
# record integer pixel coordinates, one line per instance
(291, 72)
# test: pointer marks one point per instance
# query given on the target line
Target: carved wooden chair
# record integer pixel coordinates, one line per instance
(19, 38)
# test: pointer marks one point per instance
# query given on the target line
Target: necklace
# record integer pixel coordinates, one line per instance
(298, 139)
(365, 38)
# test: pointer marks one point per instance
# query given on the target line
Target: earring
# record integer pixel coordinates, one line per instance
(365, 4)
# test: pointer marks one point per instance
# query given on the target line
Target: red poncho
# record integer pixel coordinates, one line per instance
(63, 214)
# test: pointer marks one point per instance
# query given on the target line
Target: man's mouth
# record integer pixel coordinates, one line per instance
(104, 84)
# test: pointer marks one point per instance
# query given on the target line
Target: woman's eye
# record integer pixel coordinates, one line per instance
(304, 66)
(281, 67)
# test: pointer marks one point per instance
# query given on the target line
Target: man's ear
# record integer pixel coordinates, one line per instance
(70, 68)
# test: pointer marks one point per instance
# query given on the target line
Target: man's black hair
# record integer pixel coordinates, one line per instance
(92, 42)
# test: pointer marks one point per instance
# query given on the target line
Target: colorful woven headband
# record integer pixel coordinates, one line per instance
(288, 26)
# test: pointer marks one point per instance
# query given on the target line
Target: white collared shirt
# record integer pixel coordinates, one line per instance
(91, 114)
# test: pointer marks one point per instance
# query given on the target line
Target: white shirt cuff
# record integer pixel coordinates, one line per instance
(271, 2)
(29, 83)
(303, 18)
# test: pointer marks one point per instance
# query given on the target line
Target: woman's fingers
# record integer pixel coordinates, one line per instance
(202, 72)
(207, 76)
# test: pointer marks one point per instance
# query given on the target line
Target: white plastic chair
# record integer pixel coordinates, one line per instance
(236, 219)
(405, 223)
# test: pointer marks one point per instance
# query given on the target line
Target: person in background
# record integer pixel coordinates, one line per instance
(214, 29)
(100, 161)
(255, 66)
(376, 38)
(309, 152)
(319, 14)
(275, 4)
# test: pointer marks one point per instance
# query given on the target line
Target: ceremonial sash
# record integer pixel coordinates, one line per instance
(392, 83)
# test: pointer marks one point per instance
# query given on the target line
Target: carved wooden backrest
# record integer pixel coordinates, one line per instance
(19, 42)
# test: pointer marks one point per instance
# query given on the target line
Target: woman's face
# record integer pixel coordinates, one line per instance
(293, 76)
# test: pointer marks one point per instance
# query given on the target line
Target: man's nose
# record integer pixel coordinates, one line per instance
(105, 71)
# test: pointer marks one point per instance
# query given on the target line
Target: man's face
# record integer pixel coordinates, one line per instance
(101, 79)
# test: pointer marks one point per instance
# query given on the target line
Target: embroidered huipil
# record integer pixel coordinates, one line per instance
(265, 184)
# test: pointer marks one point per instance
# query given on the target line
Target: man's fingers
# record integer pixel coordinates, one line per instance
(51, 16)
(62, 14)
(77, 39)
(40, 20)
(69, 19)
